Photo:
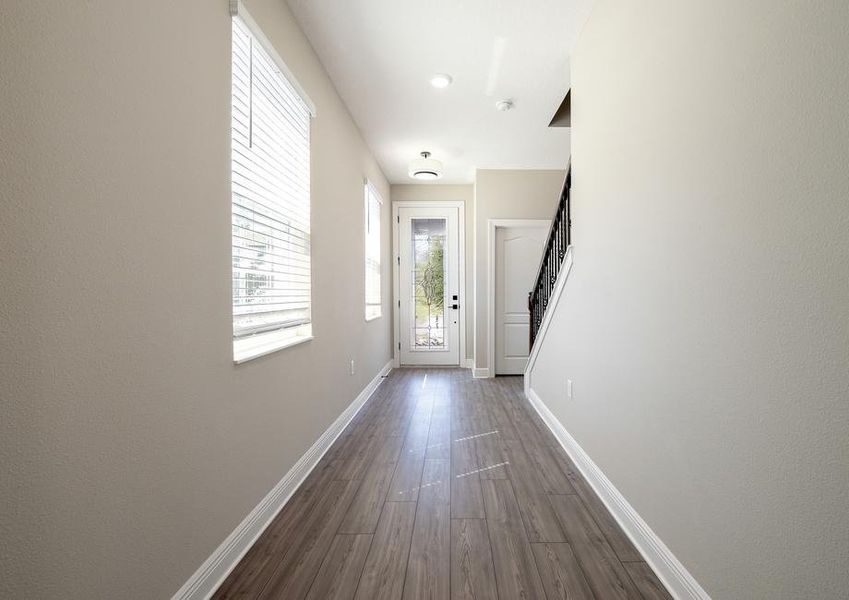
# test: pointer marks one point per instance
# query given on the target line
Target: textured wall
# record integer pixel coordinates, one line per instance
(705, 324)
(130, 445)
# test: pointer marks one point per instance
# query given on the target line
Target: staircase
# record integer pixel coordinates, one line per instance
(559, 238)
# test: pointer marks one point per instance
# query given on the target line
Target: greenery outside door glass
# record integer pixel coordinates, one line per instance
(428, 283)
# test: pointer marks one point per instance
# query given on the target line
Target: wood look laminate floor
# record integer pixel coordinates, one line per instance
(444, 486)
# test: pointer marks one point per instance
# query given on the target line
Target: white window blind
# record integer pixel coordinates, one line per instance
(372, 212)
(270, 195)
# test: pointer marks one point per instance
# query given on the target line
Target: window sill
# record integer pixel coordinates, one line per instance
(373, 318)
(261, 345)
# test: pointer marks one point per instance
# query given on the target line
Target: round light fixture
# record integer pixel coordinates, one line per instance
(425, 167)
(441, 80)
(504, 105)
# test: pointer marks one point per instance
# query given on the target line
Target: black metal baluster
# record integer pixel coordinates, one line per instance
(557, 243)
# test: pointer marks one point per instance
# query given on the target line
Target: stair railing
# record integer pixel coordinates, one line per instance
(559, 238)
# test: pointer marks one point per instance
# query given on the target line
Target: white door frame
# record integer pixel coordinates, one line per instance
(492, 225)
(460, 205)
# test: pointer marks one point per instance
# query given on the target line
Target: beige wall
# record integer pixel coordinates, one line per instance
(505, 194)
(466, 193)
(130, 445)
(706, 322)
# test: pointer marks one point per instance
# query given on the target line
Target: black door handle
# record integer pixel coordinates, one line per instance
(455, 306)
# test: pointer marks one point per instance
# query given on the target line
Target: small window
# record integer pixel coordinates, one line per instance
(270, 157)
(373, 204)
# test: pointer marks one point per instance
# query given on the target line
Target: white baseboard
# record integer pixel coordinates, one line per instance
(480, 373)
(670, 571)
(215, 569)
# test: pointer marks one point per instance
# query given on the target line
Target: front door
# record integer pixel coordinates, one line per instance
(517, 254)
(429, 265)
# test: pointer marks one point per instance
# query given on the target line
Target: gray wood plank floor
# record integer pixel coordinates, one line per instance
(444, 486)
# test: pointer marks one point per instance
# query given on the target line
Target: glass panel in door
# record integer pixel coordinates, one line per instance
(428, 284)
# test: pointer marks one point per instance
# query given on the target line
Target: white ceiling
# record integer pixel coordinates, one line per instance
(381, 55)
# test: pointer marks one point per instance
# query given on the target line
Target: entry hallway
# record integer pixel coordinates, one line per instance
(444, 486)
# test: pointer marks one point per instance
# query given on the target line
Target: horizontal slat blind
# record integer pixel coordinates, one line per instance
(372, 210)
(271, 193)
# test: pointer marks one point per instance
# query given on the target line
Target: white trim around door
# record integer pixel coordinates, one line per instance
(396, 275)
(492, 225)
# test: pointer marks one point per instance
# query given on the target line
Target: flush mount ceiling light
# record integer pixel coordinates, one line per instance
(425, 167)
(441, 80)
(504, 105)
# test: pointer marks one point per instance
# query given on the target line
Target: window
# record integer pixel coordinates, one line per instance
(372, 223)
(270, 157)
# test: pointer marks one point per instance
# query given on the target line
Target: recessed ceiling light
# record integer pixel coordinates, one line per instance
(425, 167)
(441, 80)
(504, 105)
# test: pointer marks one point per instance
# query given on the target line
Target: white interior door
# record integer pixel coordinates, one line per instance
(517, 254)
(429, 266)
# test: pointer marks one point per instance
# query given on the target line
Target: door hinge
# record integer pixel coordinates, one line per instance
(399, 304)
(398, 219)
(399, 345)
(399, 261)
